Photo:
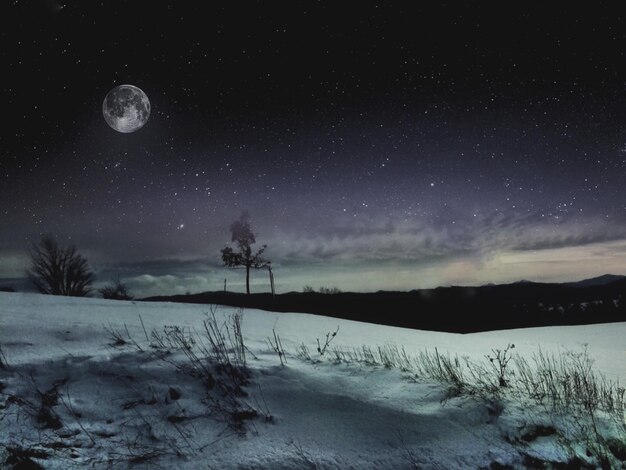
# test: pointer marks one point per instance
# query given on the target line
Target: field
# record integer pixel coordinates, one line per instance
(110, 384)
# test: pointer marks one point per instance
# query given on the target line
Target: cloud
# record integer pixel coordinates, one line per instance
(149, 285)
(13, 264)
(146, 285)
(157, 267)
(415, 241)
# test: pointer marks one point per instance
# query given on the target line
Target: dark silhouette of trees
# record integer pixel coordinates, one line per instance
(242, 255)
(57, 270)
(116, 290)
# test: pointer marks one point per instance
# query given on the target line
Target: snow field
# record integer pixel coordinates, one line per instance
(72, 398)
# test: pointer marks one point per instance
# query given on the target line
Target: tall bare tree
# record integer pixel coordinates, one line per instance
(59, 271)
(243, 256)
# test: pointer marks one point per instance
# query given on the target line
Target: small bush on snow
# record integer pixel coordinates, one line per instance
(218, 358)
(277, 346)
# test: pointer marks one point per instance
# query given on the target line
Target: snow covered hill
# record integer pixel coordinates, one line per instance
(109, 384)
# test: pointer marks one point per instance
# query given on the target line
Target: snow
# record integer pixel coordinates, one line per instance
(119, 406)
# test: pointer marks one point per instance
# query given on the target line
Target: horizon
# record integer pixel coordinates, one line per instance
(23, 285)
(374, 149)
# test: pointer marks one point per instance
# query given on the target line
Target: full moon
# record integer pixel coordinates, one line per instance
(126, 108)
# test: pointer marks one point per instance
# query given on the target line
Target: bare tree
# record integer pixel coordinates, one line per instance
(243, 256)
(59, 271)
(116, 290)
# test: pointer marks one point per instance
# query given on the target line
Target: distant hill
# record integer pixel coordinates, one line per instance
(597, 281)
(453, 309)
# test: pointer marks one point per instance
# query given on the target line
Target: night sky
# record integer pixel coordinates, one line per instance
(376, 145)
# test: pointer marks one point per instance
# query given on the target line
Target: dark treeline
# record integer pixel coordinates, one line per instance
(451, 309)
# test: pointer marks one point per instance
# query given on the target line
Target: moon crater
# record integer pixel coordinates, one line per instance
(126, 108)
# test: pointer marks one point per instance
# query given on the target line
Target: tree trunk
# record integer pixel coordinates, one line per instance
(271, 279)
(247, 279)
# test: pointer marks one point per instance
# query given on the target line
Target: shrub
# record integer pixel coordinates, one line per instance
(277, 346)
(321, 348)
(329, 290)
(116, 290)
